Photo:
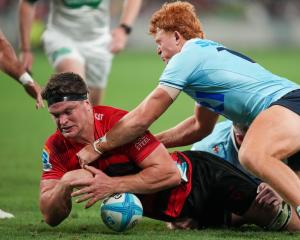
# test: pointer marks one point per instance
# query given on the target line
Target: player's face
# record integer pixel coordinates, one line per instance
(71, 117)
(167, 44)
(239, 133)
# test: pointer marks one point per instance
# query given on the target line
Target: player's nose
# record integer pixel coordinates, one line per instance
(158, 50)
(63, 119)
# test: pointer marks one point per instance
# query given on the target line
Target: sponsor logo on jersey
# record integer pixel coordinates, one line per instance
(216, 149)
(47, 166)
(99, 116)
(141, 142)
(212, 101)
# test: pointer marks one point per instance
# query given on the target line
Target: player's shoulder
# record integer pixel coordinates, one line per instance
(108, 115)
(109, 110)
(201, 44)
(196, 50)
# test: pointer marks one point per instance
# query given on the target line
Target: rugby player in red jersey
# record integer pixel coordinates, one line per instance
(171, 187)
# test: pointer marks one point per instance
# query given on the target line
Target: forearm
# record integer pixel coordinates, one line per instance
(126, 130)
(8, 59)
(131, 9)
(56, 204)
(136, 122)
(185, 133)
(147, 181)
(26, 13)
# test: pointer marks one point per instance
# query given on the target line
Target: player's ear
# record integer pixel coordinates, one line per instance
(177, 37)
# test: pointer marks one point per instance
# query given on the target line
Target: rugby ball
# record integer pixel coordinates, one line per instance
(121, 211)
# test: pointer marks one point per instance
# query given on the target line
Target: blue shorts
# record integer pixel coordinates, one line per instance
(290, 101)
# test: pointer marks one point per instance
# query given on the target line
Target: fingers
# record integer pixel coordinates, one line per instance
(85, 197)
(119, 39)
(92, 169)
(266, 197)
(91, 202)
(39, 104)
(81, 183)
(80, 192)
(261, 187)
(87, 155)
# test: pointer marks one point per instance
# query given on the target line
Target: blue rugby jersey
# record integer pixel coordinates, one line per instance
(223, 80)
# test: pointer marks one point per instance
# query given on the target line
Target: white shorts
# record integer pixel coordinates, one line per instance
(94, 54)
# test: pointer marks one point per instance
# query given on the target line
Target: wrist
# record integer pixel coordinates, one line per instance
(127, 29)
(25, 49)
(98, 145)
(26, 79)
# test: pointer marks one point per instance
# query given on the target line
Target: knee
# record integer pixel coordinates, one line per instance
(246, 159)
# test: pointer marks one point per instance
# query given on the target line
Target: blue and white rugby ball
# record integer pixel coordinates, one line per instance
(121, 211)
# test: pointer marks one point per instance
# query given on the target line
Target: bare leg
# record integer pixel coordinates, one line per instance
(71, 65)
(273, 136)
(96, 95)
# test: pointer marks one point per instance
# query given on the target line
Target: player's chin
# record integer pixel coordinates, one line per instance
(70, 134)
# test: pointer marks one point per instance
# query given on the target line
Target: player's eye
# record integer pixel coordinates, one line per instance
(69, 111)
(55, 115)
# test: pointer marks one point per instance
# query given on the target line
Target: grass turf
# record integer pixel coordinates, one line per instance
(24, 130)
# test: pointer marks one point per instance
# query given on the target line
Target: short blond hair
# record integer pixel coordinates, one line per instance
(177, 16)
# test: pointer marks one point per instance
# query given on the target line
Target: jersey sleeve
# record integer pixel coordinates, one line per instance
(142, 147)
(51, 160)
(139, 149)
(115, 117)
(179, 70)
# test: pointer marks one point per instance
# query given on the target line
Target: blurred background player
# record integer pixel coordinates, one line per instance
(10, 64)
(78, 39)
(222, 82)
(170, 186)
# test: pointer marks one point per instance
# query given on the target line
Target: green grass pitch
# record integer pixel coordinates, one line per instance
(24, 130)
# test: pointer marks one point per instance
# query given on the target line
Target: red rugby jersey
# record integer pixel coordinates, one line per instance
(59, 157)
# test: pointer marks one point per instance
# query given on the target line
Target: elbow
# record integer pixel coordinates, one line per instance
(53, 216)
(53, 222)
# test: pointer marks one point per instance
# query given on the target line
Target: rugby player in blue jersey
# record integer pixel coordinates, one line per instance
(222, 82)
(225, 141)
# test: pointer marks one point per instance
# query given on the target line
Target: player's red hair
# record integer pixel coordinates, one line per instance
(177, 16)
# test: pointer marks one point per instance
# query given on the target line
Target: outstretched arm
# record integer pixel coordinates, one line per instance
(132, 125)
(158, 172)
(190, 130)
(131, 9)
(10, 64)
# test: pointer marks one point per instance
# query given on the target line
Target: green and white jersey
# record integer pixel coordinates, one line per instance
(79, 19)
